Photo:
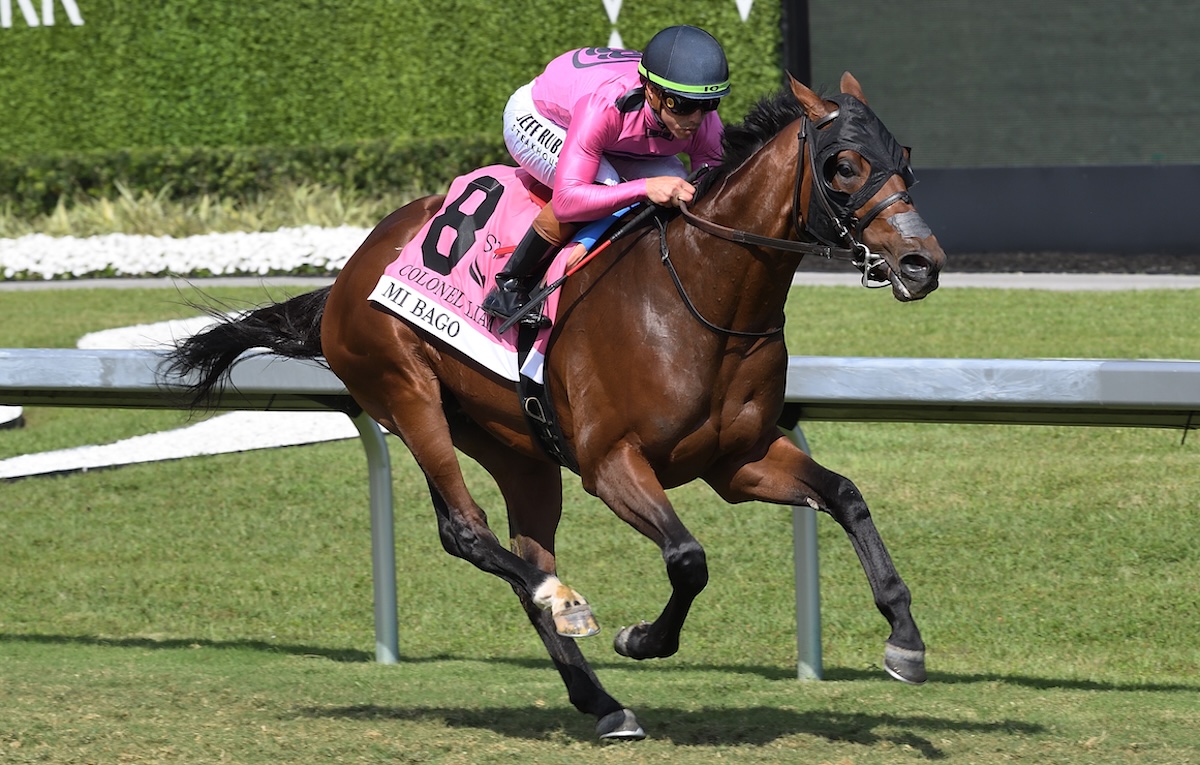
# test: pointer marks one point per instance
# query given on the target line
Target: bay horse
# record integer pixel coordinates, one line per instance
(659, 376)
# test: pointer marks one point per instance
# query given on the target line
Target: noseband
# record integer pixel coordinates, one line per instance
(830, 219)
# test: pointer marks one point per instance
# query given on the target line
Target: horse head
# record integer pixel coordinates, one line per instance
(855, 192)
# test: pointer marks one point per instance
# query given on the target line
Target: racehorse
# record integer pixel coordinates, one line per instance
(659, 375)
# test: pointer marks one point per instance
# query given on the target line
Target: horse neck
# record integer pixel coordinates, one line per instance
(755, 197)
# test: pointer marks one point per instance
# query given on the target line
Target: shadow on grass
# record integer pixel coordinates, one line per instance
(773, 673)
(1039, 683)
(755, 726)
(333, 654)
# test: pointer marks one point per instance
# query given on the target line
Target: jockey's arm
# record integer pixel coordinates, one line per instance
(577, 196)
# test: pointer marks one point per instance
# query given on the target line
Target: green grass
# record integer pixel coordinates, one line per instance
(219, 609)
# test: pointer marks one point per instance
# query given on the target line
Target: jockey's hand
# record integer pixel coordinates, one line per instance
(669, 191)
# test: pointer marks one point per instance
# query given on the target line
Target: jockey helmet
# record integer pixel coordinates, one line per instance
(686, 61)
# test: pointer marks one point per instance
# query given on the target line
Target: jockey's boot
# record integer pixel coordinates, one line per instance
(514, 283)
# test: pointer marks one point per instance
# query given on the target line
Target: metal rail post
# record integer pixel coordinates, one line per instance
(383, 540)
(808, 581)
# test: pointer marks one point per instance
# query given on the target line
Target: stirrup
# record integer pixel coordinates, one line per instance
(535, 318)
(506, 299)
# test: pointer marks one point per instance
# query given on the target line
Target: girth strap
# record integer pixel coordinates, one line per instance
(538, 408)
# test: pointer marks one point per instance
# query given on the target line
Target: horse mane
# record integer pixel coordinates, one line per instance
(769, 116)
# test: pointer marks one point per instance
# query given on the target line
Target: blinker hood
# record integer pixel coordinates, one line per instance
(856, 128)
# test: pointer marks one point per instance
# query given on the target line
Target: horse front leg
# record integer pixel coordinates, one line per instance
(628, 485)
(533, 520)
(786, 475)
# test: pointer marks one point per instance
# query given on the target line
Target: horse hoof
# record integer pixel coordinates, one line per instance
(619, 726)
(904, 664)
(576, 622)
(621, 641)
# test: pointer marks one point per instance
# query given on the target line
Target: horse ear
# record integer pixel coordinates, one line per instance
(815, 106)
(851, 87)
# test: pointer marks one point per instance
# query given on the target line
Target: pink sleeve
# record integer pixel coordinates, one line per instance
(577, 197)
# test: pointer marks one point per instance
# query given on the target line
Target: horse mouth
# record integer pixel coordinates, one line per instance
(906, 293)
(915, 278)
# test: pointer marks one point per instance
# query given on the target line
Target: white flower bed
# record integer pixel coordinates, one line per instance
(305, 250)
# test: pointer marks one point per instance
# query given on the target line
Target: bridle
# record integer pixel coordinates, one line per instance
(832, 218)
(831, 212)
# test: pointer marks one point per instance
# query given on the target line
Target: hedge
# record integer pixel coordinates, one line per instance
(183, 73)
(229, 97)
(33, 185)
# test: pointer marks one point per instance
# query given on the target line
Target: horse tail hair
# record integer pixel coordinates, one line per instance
(204, 361)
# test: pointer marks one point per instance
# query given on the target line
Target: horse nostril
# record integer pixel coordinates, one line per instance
(915, 266)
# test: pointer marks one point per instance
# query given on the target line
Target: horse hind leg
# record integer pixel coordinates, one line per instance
(614, 722)
(466, 535)
(532, 491)
(543, 604)
(399, 390)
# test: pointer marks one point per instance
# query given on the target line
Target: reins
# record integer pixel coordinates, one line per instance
(749, 237)
(857, 253)
(665, 253)
(739, 236)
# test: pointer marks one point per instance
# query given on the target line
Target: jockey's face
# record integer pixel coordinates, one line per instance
(681, 116)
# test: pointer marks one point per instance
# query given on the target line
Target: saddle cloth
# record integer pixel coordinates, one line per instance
(439, 279)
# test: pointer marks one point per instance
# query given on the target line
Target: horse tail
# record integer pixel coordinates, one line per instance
(291, 328)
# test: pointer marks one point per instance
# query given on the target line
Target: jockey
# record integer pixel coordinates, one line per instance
(602, 127)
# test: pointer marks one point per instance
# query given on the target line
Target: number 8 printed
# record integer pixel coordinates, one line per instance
(465, 225)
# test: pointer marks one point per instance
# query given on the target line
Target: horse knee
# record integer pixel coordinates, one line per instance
(459, 538)
(448, 535)
(687, 566)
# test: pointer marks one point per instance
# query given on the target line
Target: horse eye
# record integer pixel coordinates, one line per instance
(839, 168)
